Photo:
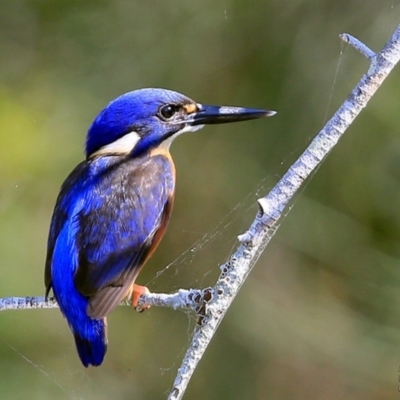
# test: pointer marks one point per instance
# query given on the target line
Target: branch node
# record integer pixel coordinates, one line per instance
(246, 237)
(264, 206)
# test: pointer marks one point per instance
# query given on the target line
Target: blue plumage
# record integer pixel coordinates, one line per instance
(114, 207)
(90, 335)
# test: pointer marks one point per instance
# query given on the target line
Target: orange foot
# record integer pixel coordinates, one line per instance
(138, 290)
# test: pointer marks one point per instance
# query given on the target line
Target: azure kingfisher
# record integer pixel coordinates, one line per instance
(114, 207)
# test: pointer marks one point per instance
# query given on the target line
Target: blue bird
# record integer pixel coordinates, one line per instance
(114, 207)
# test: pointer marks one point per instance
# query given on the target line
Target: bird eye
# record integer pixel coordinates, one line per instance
(168, 111)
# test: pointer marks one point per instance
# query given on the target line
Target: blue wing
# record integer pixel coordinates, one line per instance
(109, 217)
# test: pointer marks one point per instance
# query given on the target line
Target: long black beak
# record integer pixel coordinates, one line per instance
(208, 115)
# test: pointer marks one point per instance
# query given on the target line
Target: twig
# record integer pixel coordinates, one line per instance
(190, 299)
(360, 46)
(26, 303)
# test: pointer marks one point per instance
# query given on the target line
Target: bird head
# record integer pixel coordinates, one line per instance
(139, 121)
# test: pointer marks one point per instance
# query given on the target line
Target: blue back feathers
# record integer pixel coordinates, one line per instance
(104, 224)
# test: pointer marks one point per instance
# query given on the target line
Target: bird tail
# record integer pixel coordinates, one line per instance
(90, 334)
(91, 342)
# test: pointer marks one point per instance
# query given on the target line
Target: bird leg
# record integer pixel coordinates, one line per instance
(137, 291)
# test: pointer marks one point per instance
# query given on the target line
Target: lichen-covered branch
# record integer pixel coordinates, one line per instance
(253, 242)
(191, 299)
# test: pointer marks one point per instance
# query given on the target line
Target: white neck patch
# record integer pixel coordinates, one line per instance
(188, 128)
(123, 145)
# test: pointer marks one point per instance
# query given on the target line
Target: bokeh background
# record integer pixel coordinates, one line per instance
(319, 317)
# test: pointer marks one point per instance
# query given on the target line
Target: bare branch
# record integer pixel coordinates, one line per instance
(25, 303)
(253, 242)
(190, 299)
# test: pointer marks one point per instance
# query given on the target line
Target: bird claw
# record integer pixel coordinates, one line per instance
(138, 290)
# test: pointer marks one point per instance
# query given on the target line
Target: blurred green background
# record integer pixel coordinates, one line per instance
(319, 317)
